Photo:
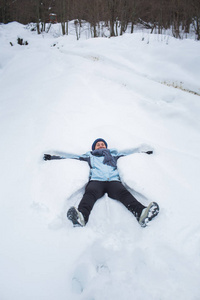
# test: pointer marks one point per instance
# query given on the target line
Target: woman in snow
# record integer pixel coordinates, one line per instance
(104, 178)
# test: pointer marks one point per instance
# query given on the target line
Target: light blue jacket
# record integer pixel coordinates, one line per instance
(98, 170)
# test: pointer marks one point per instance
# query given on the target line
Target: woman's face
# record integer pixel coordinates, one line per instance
(100, 145)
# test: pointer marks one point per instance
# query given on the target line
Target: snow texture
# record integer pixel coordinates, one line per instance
(60, 94)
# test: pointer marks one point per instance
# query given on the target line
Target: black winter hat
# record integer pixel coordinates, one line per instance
(98, 140)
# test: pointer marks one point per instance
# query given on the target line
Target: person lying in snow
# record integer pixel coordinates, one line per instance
(104, 178)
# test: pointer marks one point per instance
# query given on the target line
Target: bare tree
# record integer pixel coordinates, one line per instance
(5, 11)
(196, 17)
(61, 9)
(116, 14)
(112, 6)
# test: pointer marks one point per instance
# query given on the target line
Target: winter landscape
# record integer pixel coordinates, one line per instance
(60, 94)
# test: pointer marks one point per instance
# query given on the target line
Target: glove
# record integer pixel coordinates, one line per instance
(149, 152)
(47, 157)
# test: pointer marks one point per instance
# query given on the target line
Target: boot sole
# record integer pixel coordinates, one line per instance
(73, 216)
(150, 214)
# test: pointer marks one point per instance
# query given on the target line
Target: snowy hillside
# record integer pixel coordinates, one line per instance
(60, 94)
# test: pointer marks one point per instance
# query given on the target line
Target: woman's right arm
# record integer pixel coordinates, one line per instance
(62, 155)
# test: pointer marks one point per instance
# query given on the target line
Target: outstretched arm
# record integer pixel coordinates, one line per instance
(141, 149)
(84, 157)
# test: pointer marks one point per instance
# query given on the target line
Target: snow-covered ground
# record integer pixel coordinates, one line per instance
(59, 94)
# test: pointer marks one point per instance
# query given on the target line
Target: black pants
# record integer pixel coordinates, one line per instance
(115, 189)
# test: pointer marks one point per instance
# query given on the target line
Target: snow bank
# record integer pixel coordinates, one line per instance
(58, 94)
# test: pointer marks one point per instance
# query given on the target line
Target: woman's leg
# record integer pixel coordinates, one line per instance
(116, 190)
(93, 191)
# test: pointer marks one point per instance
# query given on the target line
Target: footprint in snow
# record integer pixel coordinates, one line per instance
(85, 273)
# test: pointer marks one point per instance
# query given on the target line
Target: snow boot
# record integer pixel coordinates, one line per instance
(148, 214)
(76, 217)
